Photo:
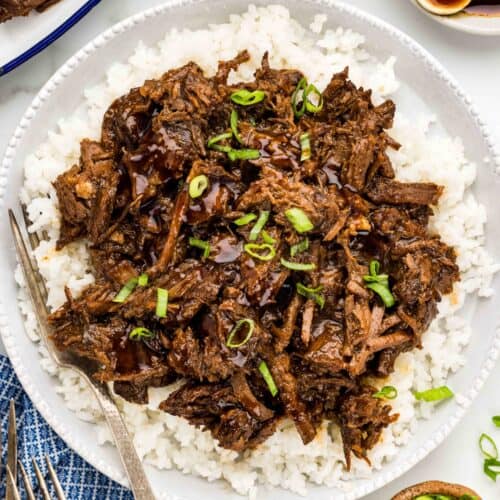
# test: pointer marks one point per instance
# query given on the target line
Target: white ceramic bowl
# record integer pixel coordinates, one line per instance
(426, 87)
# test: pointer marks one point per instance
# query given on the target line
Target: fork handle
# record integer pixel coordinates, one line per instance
(133, 466)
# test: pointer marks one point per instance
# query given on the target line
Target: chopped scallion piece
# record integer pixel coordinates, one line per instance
(496, 420)
(312, 293)
(491, 468)
(299, 220)
(436, 394)
(202, 245)
(266, 374)
(127, 289)
(305, 146)
(387, 392)
(487, 446)
(244, 97)
(198, 185)
(234, 126)
(232, 342)
(299, 247)
(254, 249)
(298, 266)
(243, 154)
(245, 219)
(213, 143)
(161, 302)
(141, 333)
(310, 105)
(259, 225)
(268, 238)
(298, 111)
(143, 280)
(379, 283)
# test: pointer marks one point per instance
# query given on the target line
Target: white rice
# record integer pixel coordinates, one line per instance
(169, 442)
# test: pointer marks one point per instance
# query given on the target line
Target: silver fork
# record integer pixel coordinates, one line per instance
(12, 492)
(137, 477)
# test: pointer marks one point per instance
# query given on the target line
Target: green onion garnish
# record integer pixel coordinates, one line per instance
(491, 468)
(310, 106)
(234, 126)
(379, 283)
(213, 143)
(259, 225)
(161, 302)
(311, 293)
(387, 392)
(436, 394)
(198, 185)
(305, 146)
(230, 340)
(496, 420)
(143, 280)
(487, 446)
(245, 219)
(252, 249)
(140, 333)
(299, 220)
(299, 247)
(298, 266)
(202, 245)
(268, 238)
(243, 154)
(127, 289)
(299, 111)
(244, 97)
(264, 370)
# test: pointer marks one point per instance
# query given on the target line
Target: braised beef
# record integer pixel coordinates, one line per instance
(254, 340)
(14, 8)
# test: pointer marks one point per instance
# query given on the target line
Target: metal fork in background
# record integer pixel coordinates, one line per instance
(12, 492)
(137, 477)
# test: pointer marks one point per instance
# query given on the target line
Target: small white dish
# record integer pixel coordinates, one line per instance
(473, 24)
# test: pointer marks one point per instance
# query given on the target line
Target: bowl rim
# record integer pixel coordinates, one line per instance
(58, 78)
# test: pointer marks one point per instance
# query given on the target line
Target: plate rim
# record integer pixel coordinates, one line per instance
(49, 39)
(117, 474)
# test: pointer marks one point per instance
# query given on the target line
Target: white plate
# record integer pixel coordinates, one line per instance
(23, 37)
(477, 25)
(426, 87)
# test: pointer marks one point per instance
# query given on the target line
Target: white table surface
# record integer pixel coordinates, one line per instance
(474, 61)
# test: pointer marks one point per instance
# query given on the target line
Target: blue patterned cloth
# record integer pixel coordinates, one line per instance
(36, 439)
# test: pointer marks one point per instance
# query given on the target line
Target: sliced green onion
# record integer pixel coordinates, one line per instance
(299, 111)
(140, 333)
(245, 219)
(161, 302)
(491, 468)
(383, 292)
(305, 146)
(127, 289)
(486, 441)
(310, 106)
(244, 97)
(242, 322)
(198, 185)
(374, 267)
(202, 245)
(299, 220)
(266, 374)
(311, 293)
(379, 283)
(496, 420)
(439, 497)
(298, 266)
(234, 126)
(299, 247)
(387, 392)
(254, 249)
(243, 154)
(213, 143)
(259, 225)
(268, 238)
(436, 394)
(143, 280)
